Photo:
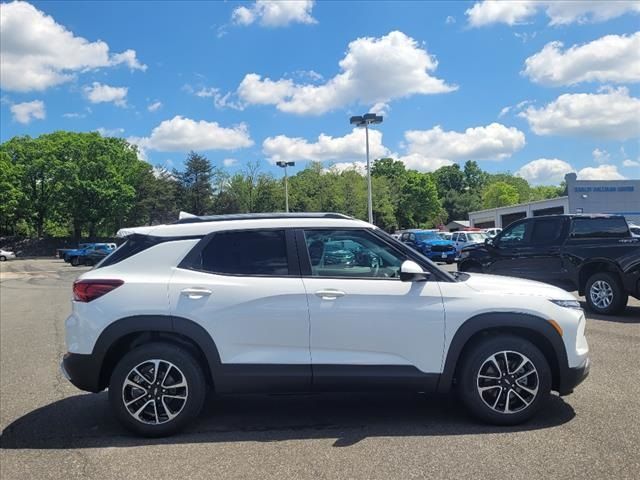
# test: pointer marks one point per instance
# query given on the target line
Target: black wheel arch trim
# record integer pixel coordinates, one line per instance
(505, 320)
(154, 324)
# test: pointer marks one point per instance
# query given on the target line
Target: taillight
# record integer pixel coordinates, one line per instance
(87, 290)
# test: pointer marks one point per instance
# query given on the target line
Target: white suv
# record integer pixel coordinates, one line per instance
(309, 302)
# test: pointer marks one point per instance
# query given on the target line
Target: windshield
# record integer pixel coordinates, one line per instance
(476, 237)
(427, 236)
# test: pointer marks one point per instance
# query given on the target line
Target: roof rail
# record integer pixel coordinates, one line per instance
(260, 216)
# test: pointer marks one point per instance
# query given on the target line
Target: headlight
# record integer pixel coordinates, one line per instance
(567, 303)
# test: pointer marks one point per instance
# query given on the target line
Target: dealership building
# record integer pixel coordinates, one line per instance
(620, 197)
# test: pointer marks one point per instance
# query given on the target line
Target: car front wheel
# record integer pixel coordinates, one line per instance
(156, 389)
(504, 380)
(3, 258)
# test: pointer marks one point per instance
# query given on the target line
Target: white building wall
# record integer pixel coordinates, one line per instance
(495, 214)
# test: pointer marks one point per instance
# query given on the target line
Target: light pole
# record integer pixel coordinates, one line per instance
(364, 121)
(286, 182)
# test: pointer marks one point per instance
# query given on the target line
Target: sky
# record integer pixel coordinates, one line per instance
(536, 88)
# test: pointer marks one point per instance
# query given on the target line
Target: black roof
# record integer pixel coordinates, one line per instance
(261, 216)
(581, 215)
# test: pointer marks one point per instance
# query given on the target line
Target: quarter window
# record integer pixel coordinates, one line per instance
(351, 254)
(251, 252)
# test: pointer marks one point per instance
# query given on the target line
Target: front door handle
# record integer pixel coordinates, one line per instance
(329, 294)
(196, 293)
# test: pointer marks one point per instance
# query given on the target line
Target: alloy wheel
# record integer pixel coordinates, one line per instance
(508, 382)
(601, 294)
(155, 392)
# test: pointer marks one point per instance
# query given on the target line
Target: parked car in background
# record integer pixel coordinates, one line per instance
(492, 232)
(430, 244)
(594, 254)
(6, 255)
(634, 229)
(445, 235)
(464, 239)
(77, 257)
(248, 304)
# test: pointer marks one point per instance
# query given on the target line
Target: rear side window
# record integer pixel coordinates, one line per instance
(547, 231)
(247, 253)
(600, 228)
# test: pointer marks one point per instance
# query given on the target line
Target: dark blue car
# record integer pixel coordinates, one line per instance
(430, 244)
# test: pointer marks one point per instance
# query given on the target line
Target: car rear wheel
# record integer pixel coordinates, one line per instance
(504, 380)
(605, 295)
(3, 258)
(156, 389)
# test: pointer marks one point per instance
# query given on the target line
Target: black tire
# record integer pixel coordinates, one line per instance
(477, 358)
(188, 368)
(3, 258)
(75, 261)
(619, 296)
(449, 261)
(88, 262)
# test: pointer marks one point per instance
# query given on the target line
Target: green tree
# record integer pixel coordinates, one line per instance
(520, 184)
(449, 177)
(11, 195)
(475, 178)
(195, 184)
(500, 194)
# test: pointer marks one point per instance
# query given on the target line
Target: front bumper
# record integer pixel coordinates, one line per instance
(573, 377)
(82, 371)
(441, 256)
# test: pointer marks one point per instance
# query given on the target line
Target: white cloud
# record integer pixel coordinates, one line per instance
(417, 161)
(600, 156)
(37, 53)
(274, 13)
(360, 167)
(612, 58)
(545, 171)
(602, 172)
(611, 114)
(74, 115)
(110, 132)
(559, 12)
(349, 148)
(630, 163)
(155, 106)
(492, 142)
(450, 20)
(229, 162)
(513, 108)
(373, 70)
(27, 111)
(101, 93)
(380, 108)
(182, 134)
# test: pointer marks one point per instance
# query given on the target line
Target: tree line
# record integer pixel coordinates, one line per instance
(85, 185)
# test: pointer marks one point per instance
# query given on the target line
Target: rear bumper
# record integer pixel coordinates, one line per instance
(574, 377)
(82, 371)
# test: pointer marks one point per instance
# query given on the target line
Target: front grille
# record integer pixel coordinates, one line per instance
(442, 248)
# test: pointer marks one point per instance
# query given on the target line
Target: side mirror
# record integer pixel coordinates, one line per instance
(410, 271)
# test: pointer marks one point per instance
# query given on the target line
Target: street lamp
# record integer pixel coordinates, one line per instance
(286, 182)
(364, 121)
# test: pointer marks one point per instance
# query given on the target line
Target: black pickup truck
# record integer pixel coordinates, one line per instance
(594, 254)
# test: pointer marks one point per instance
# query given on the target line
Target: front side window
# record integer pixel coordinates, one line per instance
(251, 252)
(515, 235)
(351, 254)
(476, 237)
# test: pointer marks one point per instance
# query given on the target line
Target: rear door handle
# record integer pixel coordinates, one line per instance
(329, 294)
(196, 293)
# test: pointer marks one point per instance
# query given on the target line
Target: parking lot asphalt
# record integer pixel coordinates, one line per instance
(52, 430)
